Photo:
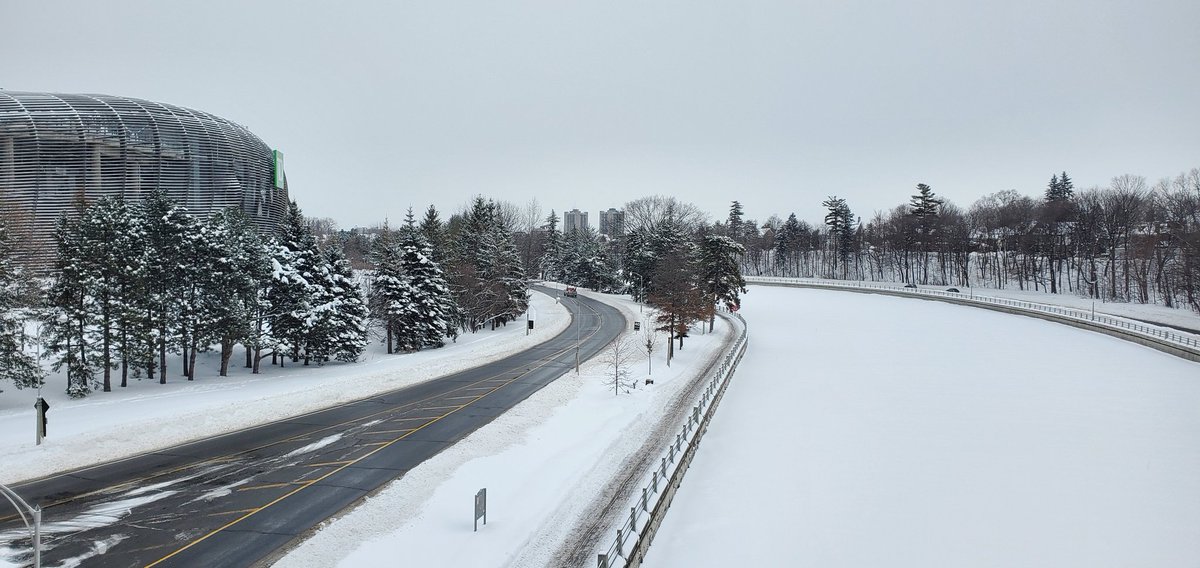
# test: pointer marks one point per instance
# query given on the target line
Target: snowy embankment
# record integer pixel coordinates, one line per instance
(147, 416)
(544, 463)
(867, 430)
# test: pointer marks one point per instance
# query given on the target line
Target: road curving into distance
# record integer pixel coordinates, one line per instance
(236, 499)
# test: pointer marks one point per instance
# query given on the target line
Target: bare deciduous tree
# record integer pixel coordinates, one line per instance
(616, 364)
(647, 212)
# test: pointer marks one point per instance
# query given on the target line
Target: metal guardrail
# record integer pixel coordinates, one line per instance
(645, 516)
(1181, 340)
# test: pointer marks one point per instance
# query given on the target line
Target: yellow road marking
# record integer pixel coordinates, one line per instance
(269, 485)
(233, 512)
(323, 464)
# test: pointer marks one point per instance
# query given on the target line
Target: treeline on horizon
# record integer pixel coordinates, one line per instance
(1128, 241)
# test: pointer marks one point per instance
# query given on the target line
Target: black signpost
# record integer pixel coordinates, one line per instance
(41, 406)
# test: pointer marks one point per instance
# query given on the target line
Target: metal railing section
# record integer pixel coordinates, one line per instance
(635, 534)
(1179, 339)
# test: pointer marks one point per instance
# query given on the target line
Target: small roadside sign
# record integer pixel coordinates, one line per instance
(480, 507)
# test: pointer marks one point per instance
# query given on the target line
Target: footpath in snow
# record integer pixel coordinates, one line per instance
(868, 430)
(146, 416)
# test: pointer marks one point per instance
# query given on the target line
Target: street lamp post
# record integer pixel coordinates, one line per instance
(33, 523)
(578, 327)
(641, 290)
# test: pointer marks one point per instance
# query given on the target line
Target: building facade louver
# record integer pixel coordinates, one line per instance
(60, 150)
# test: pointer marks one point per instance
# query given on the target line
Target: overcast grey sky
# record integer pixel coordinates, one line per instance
(379, 106)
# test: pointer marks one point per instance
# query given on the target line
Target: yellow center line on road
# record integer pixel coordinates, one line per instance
(233, 512)
(323, 464)
(397, 431)
(270, 485)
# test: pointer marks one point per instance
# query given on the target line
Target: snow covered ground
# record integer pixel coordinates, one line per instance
(866, 430)
(909, 433)
(542, 463)
(146, 415)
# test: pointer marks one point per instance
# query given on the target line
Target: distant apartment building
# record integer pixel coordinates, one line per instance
(612, 222)
(575, 220)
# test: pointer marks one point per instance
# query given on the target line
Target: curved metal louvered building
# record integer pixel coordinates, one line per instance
(59, 149)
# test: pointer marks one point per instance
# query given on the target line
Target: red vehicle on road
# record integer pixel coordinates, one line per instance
(571, 292)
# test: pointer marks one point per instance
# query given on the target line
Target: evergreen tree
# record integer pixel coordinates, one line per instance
(193, 307)
(389, 287)
(340, 314)
(840, 221)
(639, 262)
(507, 271)
(435, 235)
(734, 222)
(15, 364)
(430, 314)
(787, 244)
(723, 281)
(237, 263)
(488, 281)
(1060, 188)
(107, 249)
(923, 208)
(585, 261)
(551, 261)
(166, 226)
(69, 313)
(294, 298)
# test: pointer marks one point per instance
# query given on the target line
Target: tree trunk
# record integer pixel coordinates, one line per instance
(190, 362)
(162, 356)
(226, 355)
(107, 358)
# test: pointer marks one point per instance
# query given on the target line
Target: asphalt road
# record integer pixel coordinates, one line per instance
(235, 499)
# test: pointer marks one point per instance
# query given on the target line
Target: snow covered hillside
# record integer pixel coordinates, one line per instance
(865, 430)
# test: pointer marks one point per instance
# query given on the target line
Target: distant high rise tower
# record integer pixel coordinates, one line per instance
(612, 222)
(574, 220)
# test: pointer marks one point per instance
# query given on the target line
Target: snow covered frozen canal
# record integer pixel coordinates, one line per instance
(865, 430)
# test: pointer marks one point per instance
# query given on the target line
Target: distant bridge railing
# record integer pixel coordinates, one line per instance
(633, 537)
(1167, 340)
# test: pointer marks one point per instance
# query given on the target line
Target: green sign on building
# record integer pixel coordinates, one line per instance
(278, 168)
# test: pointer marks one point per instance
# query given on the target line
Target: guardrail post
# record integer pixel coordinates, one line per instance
(645, 507)
(620, 544)
(633, 519)
(601, 561)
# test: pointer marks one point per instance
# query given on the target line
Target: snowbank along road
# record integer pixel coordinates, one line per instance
(234, 499)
